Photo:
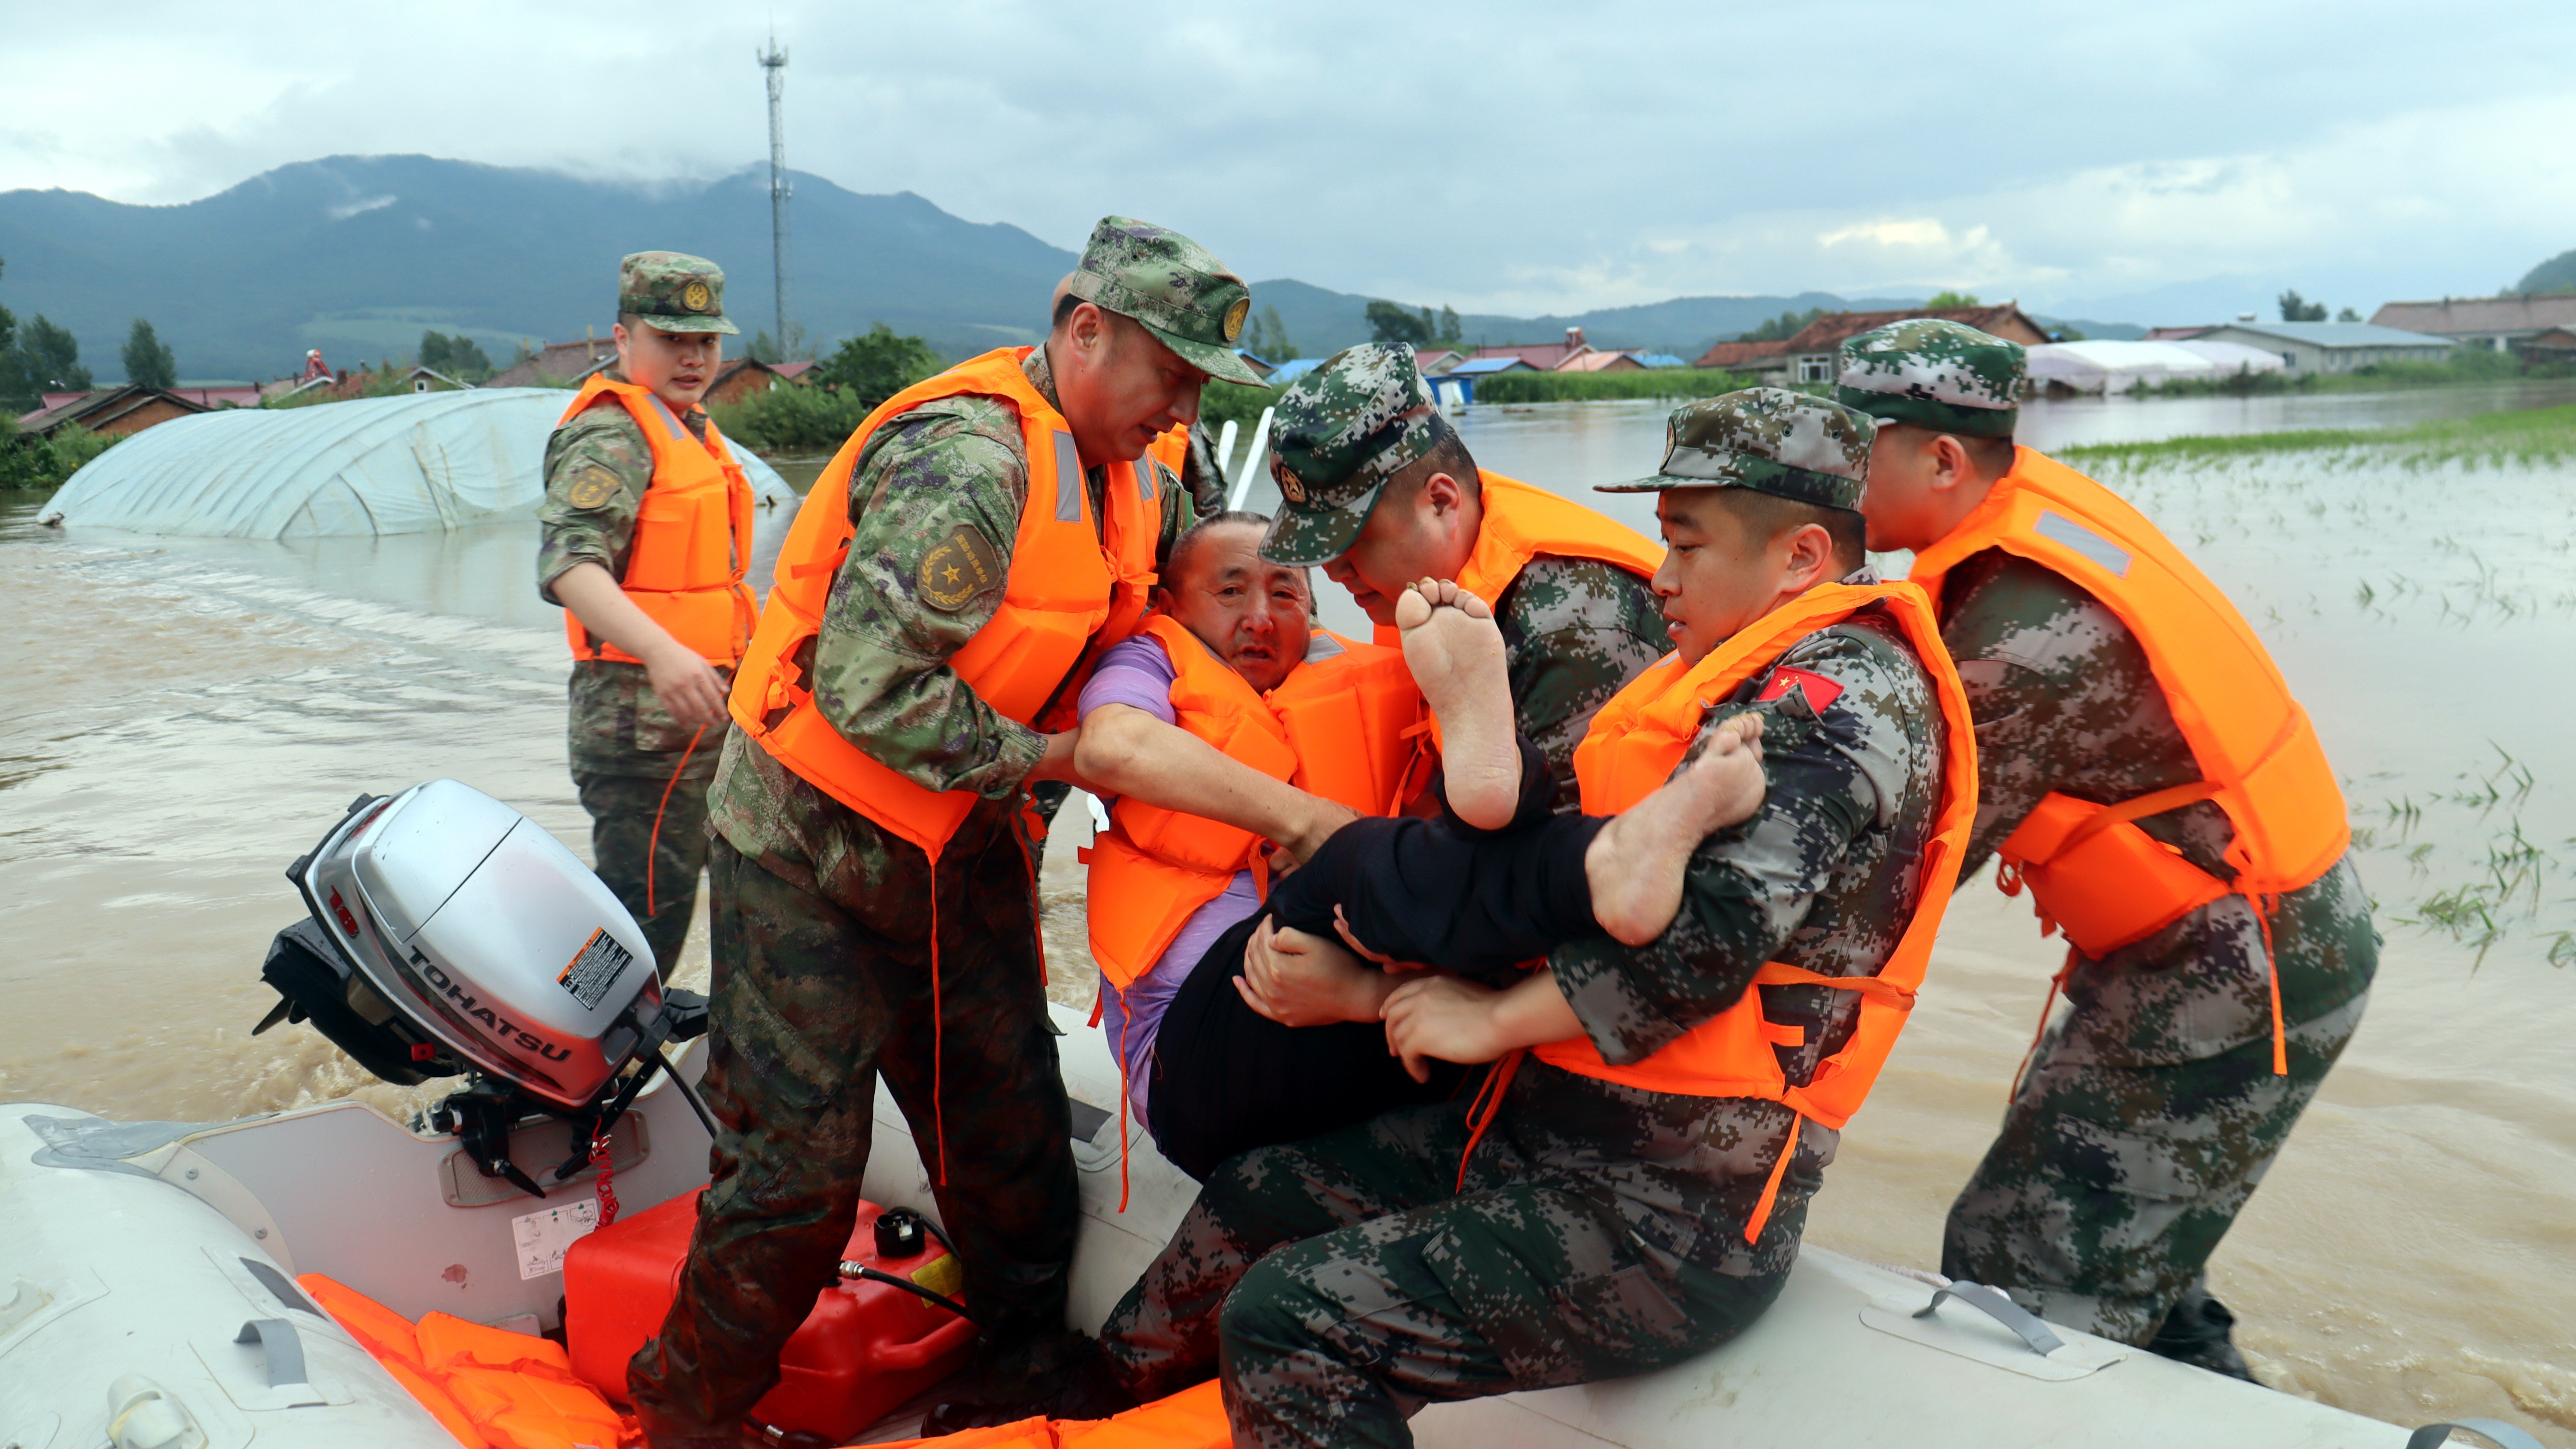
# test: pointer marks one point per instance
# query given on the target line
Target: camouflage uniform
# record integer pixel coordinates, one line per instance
(1575, 630)
(826, 971)
(642, 777)
(2149, 1110)
(1346, 1281)
(1201, 478)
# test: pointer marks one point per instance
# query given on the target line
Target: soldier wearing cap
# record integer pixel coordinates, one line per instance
(2145, 774)
(951, 577)
(1379, 489)
(645, 536)
(1627, 1190)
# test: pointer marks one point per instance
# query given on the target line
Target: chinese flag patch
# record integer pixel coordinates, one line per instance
(1816, 689)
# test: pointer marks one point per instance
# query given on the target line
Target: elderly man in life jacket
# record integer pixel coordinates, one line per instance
(645, 538)
(950, 580)
(1379, 489)
(1628, 1187)
(2146, 776)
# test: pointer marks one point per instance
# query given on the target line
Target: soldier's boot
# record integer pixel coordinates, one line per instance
(2197, 1332)
(1056, 1377)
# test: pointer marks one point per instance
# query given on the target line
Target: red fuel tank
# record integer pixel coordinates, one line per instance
(866, 1348)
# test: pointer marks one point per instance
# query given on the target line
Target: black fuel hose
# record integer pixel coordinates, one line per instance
(879, 1275)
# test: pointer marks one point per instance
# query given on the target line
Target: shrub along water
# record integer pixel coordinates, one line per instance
(2465, 365)
(2536, 435)
(1681, 383)
(30, 463)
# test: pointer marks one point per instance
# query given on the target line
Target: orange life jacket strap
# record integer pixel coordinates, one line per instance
(1771, 1186)
(1779, 973)
(1487, 1102)
(2155, 802)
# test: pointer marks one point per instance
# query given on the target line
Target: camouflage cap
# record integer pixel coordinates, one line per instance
(1768, 439)
(1171, 285)
(1339, 433)
(1935, 374)
(673, 292)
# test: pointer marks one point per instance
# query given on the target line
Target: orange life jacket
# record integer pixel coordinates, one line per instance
(2091, 871)
(692, 544)
(1335, 727)
(1635, 742)
(491, 1388)
(1191, 1419)
(1072, 590)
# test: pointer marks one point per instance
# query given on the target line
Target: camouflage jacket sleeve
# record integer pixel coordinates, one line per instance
(935, 505)
(1815, 878)
(1201, 478)
(2064, 701)
(597, 468)
(1574, 632)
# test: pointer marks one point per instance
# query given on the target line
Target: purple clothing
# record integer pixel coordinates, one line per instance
(1138, 672)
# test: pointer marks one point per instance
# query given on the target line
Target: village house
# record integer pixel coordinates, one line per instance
(1544, 356)
(2501, 323)
(2314, 347)
(1810, 355)
(1433, 361)
(562, 361)
(110, 412)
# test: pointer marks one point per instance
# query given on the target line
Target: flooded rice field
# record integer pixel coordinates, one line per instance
(183, 717)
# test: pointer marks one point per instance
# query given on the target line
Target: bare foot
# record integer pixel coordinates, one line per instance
(1635, 864)
(1456, 655)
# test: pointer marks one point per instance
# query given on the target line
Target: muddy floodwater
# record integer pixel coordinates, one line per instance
(180, 718)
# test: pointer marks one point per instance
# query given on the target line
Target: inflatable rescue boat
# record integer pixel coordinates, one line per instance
(331, 1277)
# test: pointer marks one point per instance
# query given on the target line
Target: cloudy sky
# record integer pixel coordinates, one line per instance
(2124, 161)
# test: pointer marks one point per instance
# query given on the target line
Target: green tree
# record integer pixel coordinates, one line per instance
(45, 359)
(764, 348)
(459, 357)
(1782, 327)
(2347, 315)
(1451, 335)
(11, 388)
(149, 362)
(1952, 299)
(433, 351)
(2295, 308)
(1267, 338)
(878, 364)
(1391, 322)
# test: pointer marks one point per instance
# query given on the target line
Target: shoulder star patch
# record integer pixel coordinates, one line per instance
(593, 486)
(961, 567)
(1816, 690)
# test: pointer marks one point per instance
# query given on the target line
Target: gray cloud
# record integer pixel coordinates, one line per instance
(1505, 157)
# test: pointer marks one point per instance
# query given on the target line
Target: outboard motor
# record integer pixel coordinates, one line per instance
(452, 935)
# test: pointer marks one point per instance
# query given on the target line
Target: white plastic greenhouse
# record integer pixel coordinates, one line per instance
(413, 464)
(2116, 367)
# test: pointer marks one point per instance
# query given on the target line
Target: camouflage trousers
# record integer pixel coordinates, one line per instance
(1342, 1283)
(649, 852)
(814, 998)
(2110, 1186)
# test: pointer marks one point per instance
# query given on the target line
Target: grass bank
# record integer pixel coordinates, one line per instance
(2535, 435)
(1680, 383)
(2464, 367)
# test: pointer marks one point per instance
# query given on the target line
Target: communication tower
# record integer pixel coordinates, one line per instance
(774, 62)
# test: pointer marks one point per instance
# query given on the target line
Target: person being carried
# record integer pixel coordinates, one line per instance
(1230, 722)
(1629, 1186)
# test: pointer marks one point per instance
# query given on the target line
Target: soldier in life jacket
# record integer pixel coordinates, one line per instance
(1629, 1186)
(946, 587)
(1379, 489)
(2146, 776)
(645, 536)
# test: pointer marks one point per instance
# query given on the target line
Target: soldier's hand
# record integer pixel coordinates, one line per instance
(1443, 1017)
(687, 685)
(1297, 979)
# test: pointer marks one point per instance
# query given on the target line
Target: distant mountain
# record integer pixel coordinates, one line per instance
(2558, 274)
(357, 255)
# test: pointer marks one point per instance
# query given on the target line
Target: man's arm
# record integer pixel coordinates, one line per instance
(1122, 750)
(935, 503)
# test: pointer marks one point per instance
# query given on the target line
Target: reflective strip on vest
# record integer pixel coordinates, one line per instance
(1072, 589)
(2255, 747)
(1634, 744)
(688, 561)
